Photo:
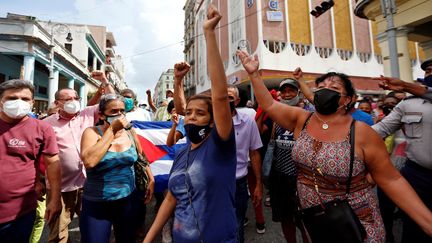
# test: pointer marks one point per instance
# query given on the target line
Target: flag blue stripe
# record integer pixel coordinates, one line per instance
(152, 124)
(162, 182)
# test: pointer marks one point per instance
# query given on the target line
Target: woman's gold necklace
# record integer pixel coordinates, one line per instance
(324, 125)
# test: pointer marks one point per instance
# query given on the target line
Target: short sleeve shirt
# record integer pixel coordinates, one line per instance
(138, 114)
(360, 115)
(247, 138)
(20, 146)
(68, 133)
(180, 127)
(203, 182)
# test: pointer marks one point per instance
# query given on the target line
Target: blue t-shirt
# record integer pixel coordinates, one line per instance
(209, 184)
(360, 115)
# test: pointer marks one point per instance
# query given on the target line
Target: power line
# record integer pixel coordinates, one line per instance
(222, 26)
(198, 35)
(140, 53)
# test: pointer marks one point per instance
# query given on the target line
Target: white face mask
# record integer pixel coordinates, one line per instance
(16, 109)
(291, 102)
(72, 107)
(110, 119)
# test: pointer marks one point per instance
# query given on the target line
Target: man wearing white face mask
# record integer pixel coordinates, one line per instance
(69, 124)
(23, 141)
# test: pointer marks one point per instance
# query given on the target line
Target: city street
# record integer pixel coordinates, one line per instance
(273, 231)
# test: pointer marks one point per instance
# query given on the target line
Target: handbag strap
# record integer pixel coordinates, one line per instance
(352, 148)
(132, 137)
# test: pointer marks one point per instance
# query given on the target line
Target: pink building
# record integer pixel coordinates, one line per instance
(284, 35)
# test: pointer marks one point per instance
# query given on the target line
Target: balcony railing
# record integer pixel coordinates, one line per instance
(110, 52)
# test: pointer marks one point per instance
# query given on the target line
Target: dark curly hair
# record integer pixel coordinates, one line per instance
(346, 82)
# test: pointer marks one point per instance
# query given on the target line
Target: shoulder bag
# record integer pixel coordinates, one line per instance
(335, 221)
(140, 166)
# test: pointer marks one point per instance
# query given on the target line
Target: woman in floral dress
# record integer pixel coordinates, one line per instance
(322, 153)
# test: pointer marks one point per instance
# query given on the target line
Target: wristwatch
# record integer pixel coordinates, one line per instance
(128, 126)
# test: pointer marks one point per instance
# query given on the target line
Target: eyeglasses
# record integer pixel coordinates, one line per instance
(69, 99)
(111, 97)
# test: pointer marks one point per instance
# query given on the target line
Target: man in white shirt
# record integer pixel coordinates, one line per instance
(134, 113)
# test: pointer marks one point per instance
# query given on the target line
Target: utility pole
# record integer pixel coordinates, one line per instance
(388, 8)
(62, 29)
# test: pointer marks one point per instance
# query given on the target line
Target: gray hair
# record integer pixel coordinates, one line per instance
(17, 84)
(106, 99)
(57, 93)
(128, 91)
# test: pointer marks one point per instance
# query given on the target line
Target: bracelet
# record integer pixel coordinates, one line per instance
(254, 74)
(128, 126)
(103, 85)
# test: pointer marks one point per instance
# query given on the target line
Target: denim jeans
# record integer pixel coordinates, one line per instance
(241, 202)
(18, 230)
(97, 218)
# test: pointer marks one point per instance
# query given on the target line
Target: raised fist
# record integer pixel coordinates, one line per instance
(181, 69)
(213, 18)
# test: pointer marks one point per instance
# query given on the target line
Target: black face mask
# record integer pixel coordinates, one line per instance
(387, 109)
(197, 133)
(326, 101)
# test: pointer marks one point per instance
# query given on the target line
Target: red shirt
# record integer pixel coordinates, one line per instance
(20, 145)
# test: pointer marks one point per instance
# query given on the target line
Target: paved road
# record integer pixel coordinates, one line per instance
(273, 232)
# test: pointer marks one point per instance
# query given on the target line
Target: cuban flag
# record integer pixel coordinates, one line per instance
(152, 137)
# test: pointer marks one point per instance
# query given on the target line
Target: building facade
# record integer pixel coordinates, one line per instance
(189, 43)
(413, 23)
(165, 82)
(43, 53)
(284, 36)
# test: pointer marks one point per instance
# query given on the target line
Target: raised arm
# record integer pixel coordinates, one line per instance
(396, 84)
(389, 179)
(150, 101)
(286, 116)
(221, 110)
(173, 134)
(104, 88)
(180, 70)
(304, 88)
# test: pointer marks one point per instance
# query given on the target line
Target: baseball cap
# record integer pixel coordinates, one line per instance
(290, 82)
(426, 64)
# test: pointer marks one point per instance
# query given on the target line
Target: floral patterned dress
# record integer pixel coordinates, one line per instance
(331, 160)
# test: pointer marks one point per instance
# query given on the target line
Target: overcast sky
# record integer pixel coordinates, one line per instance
(148, 33)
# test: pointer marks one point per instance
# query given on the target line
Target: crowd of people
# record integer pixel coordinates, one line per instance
(307, 147)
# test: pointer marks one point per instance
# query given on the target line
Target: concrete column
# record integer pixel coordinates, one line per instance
(83, 95)
(94, 63)
(405, 68)
(427, 48)
(71, 83)
(383, 44)
(53, 86)
(29, 67)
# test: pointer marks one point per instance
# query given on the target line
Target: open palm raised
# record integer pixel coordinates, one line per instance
(250, 64)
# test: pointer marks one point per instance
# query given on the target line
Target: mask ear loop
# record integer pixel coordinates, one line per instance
(349, 105)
